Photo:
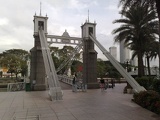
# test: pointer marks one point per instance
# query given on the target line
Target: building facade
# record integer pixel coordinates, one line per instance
(113, 52)
(124, 53)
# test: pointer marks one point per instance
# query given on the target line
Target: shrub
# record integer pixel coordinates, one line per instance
(145, 81)
(157, 105)
(149, 100)
(156, 85)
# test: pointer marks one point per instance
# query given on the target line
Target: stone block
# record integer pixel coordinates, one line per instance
(93, 85)
(39, 87)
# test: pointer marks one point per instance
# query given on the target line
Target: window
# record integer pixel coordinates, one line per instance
(90, 30)
(41, 24)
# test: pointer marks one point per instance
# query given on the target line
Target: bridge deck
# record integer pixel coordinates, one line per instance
(91, 105)
(65, 86)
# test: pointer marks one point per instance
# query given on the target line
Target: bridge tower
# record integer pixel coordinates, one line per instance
(89, 56)
(37, 73)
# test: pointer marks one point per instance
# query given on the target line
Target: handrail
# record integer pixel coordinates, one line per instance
(18, 86)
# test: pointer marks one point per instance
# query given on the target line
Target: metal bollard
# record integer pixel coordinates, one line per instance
(74, 88)
(84, 87)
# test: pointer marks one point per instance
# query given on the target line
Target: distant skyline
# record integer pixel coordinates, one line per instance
(16, 20)
(113, 52)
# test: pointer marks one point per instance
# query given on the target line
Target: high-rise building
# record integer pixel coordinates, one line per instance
(124, 53)
(113, 52)
(134, 62)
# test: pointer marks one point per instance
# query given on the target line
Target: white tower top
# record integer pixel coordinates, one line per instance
(88, 28)
(40, 21)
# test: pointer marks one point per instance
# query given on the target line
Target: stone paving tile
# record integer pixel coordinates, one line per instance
(50, 118)
(66, 117)
(91, 105)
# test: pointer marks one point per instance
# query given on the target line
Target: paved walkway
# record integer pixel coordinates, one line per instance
(91, 105)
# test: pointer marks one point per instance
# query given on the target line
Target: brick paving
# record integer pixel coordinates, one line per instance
(91, 105)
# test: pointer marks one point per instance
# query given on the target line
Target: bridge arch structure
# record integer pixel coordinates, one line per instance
(43, 72)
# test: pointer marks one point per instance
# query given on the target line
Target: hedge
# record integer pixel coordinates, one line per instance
(149, 100)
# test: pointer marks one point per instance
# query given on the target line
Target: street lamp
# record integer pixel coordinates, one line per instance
(127, 65)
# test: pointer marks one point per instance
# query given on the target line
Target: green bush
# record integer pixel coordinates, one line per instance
(145, 81)
(149, 100)
(157, 105)
(156, 85)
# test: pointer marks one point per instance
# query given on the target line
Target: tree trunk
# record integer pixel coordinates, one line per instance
(16, 76)
(140, 64)
(158, 11)
(148, 66)
(11, 75)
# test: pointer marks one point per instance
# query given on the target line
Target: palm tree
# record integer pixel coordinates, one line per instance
(154, 51)
(155, 4)
(151, 53)
(136, 30)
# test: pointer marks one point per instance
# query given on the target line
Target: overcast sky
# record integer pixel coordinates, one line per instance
(16, 20)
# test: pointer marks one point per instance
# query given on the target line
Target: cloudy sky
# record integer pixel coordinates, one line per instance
(16, 20)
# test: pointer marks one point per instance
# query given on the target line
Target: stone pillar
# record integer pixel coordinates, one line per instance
(37, 73)
(89, 57)
(37, 67)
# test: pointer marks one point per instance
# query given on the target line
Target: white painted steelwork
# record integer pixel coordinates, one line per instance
(136, 87)
(55, 91)
(63, 39)
(67, 60)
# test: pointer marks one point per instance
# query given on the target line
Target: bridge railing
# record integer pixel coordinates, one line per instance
(16, 86)
(79, 85)
(65, 79)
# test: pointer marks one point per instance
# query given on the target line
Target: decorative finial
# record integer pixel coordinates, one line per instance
(35, 13)
(88, 15)
(46, 14)
(40, 8)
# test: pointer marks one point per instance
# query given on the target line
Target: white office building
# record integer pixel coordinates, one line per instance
(124, 53)
(113, 52)
(134, 62)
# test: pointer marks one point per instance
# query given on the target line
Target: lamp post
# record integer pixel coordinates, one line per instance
(127, 65)
(127, 69)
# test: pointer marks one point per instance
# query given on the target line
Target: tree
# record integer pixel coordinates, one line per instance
(65, 52)
(54, 51)
(22, 54)
(137, 28)
(55, 56)
(60, 55)
(155, 4)
(101, 68)
(12, 63)
(150, 53)
(15, 60)
(75, 66)
(154, 51)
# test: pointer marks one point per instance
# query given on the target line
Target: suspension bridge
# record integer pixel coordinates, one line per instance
(43, 74)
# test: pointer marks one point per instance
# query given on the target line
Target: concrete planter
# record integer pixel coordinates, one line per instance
(129, 91)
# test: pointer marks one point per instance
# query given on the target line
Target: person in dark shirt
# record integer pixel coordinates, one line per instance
(74, 87)
(102, 84)
(74, 80)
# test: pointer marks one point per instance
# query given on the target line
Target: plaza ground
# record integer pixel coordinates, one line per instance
(91, 105)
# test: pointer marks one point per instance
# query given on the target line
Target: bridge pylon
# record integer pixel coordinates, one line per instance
(37, 73)
(89, 56)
